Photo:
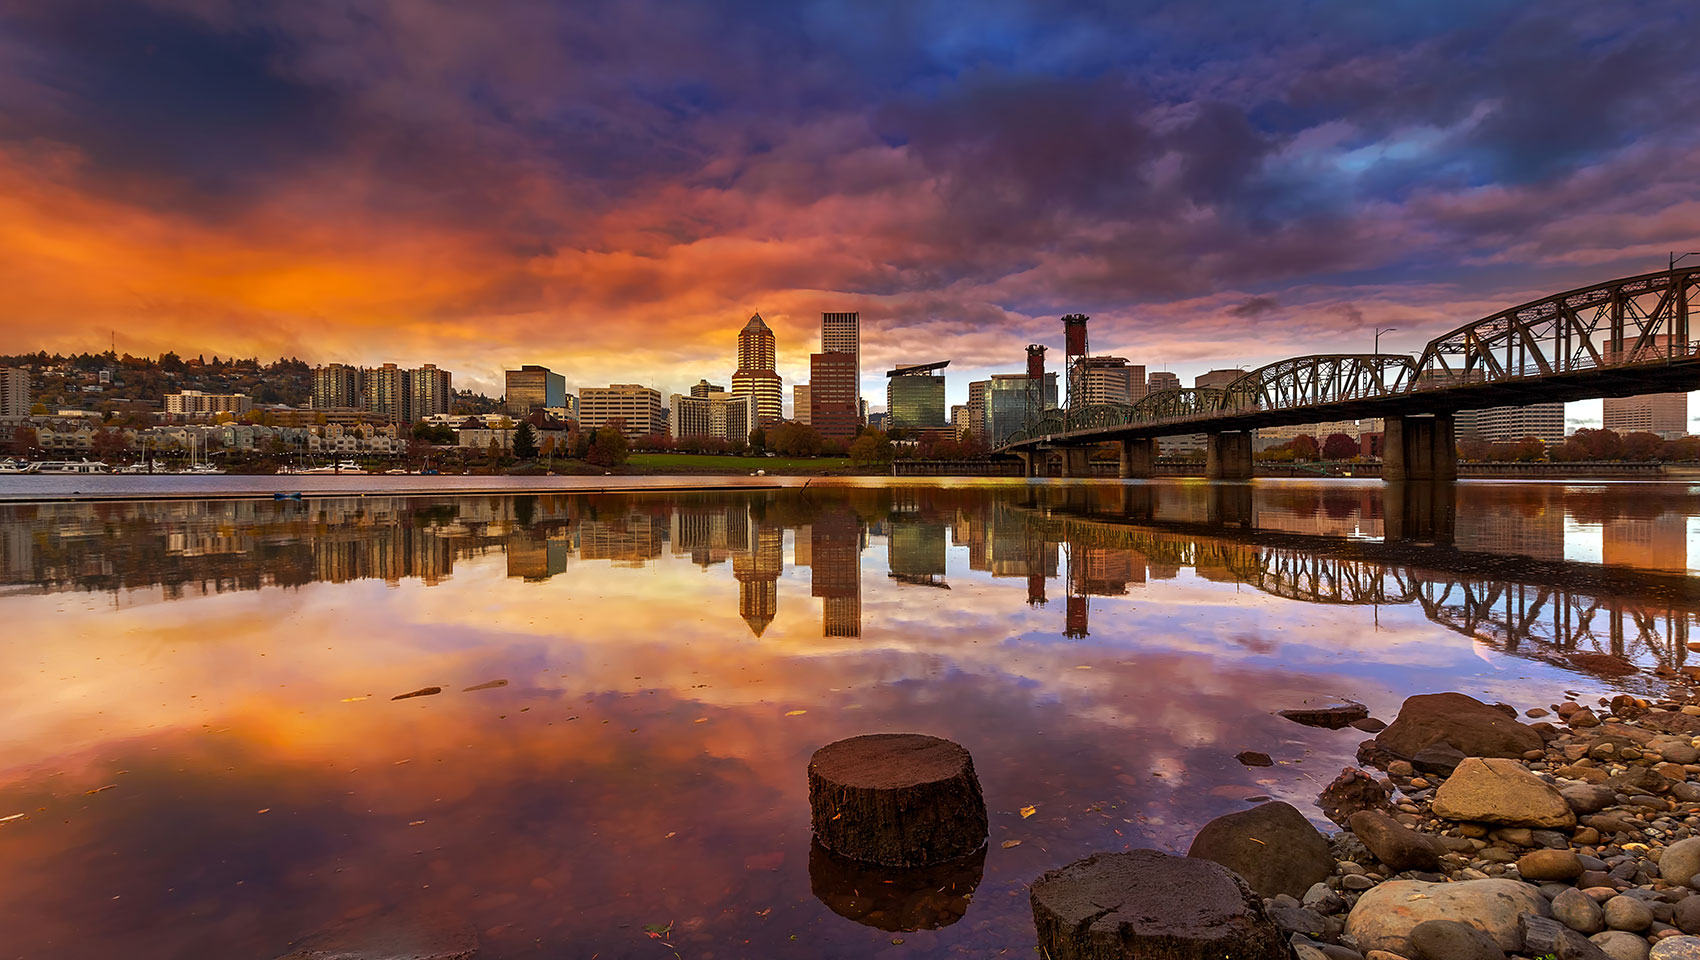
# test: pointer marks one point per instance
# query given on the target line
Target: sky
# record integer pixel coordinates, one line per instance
(612, 188)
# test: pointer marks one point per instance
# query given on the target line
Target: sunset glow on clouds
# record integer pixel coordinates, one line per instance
(612, 188)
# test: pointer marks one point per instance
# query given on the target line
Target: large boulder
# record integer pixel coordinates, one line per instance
(1148, 904)
(1473, 727)
(1680, 861)
(1451, 940)
(1492, 790)
(1393, 843)
(1272, 846)
(1384, 917)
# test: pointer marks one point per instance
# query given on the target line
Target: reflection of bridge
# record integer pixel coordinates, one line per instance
(1572, 614)
(1614, 339)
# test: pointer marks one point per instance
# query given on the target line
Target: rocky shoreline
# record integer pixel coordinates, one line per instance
(1575, 836)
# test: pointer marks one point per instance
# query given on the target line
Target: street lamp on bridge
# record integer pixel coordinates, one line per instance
(1379, 331)
(1674, 259)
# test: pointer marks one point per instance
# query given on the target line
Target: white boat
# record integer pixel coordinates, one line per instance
(72, 466)
(349, 466)
(202, 470)
(398, 472)
(18, 466)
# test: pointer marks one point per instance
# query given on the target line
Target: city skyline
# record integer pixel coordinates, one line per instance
(413, 184)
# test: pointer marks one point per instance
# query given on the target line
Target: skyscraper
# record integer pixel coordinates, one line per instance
(833, 409)
(977, 393)
(914, 398)
(842, 333)
(1108, 380)
(533, 387)
(389, 392)
(756, 376)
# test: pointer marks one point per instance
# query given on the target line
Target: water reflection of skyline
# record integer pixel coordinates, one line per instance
(1104, 653)
(1082, 542)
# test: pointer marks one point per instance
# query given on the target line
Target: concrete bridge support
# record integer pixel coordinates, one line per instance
(1033, 462)
(1419, 448)
(1228, 455)
(1138, 458)
(1077, 461)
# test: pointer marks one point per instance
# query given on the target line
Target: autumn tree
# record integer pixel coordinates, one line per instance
(872, 447)
(1339, 446)
(608, 449)
(792, 439)
(1304, 447)
(1642, 445)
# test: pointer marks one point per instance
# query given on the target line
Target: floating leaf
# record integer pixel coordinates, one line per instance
(700, 720)
(1011, 843)
(1028, 811)
(15, 816)
(356, 699)
(795, 713)
(421, 692)
(110, 786)
(486, 685)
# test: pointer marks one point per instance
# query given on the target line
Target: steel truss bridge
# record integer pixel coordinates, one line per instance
(1614, 339)
(1570, 614)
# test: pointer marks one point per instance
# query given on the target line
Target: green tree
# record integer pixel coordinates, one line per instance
(525, 442)
(792, 439)
(758, 441)
(608, 449)
(872, 447)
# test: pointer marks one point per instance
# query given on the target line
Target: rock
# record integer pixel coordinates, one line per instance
(1547, 938)
(1676, 948)
(1541, 865)
(1329, 713)
(1578, 911)
(1323, 900)
(1272, 846)
(1638, 781)
(1383, 918)
(896, 799)
(1628, 707)
(1680, 861)
(1369, 725)
(1147, 904)
(1620, 946)
(1351, 791)
(1588, 797)
(1296, 919)
(1687, 792)
(1394, 844)
(421, 936)
(1686, 913)
(1451, 940)
(1500, 791)
(1516, 836)
(1334, 951)
(1401, 768)
(1470, 726)
(1675, 749)
(1628, 913)
(1583, 718)
(1252, 758)
(1438, 758)
(1356, 882)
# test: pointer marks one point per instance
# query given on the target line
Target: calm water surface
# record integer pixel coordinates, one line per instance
(200, 755)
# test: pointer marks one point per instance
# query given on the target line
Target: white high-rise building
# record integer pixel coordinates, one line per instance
(1665, 414)
(1544, 421)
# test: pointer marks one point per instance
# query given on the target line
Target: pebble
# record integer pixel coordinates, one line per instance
(1578, 911)
(1620, 946)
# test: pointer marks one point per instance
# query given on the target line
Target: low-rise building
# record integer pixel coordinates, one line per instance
(194, 403)
(635, 407)
(720, 416)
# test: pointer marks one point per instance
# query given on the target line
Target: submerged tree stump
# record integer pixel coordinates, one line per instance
(1146, 905)
(897, 799)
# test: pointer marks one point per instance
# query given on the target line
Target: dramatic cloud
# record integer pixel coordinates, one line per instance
(612, 188)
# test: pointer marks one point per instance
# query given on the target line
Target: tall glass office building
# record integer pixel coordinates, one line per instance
(915, 401)
(1006, 403)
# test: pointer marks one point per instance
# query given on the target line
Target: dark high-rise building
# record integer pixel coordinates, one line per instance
(532, 387)
(833, 408)
(432, 391)
(756, 374)
(835, 545)
(914, 398)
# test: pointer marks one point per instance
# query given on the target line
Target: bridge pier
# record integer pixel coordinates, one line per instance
(1228, 455)
(1138, 458)
(1077, 461)
(1419, 448)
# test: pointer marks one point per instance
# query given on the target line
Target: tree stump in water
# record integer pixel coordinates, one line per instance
(1146, 905)
(897, 799)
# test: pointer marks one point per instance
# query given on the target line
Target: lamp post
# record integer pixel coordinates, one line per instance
(1674, 259)
(1379, 331)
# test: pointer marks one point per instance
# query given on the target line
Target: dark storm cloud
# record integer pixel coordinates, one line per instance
(666, 163)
